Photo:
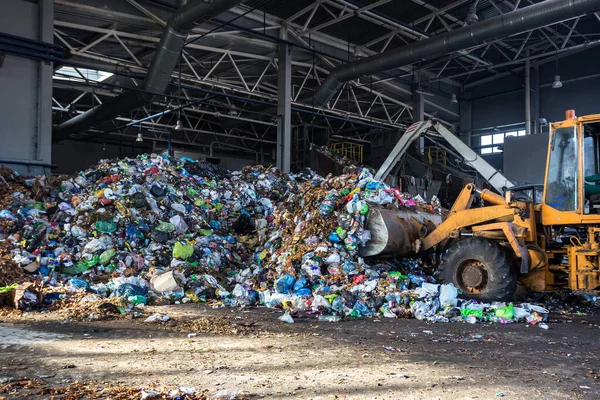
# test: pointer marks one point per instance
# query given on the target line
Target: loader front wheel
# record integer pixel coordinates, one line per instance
(481, 269)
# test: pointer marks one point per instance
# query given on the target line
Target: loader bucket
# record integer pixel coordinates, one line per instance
(397, 232)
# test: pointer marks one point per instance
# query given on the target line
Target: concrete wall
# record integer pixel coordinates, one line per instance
(26, 90)
(583, 96)
(71, 156)
(501, 103)
(492, 107)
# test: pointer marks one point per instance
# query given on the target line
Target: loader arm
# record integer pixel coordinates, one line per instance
(498, 181)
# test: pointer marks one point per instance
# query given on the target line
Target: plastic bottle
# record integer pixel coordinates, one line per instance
(329, 318)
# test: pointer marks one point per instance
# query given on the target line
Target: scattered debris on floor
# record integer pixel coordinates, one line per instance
(38, 389)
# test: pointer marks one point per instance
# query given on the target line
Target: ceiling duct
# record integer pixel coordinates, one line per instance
(523, 20)
(159, 73)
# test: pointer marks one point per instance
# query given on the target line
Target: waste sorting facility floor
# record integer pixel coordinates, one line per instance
(250, 354)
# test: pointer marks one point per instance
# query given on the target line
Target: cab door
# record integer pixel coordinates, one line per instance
(563, 194)
(590, 128)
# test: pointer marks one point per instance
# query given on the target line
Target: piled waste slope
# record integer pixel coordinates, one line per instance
(153, 230)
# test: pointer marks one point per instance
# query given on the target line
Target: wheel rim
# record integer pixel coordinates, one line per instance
(471, 276)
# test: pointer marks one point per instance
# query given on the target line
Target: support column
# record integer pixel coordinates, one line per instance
(45, 72)
(527, 95)
(26, 90)
(466, 119)
(536, 99)
(284, 105)
(418, 103)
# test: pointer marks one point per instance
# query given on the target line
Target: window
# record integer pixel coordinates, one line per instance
(78, 74)
(561, 188)
(589, 161)
(491, 144)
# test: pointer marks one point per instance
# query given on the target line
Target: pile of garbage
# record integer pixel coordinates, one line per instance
(142, 228)
(157, 230)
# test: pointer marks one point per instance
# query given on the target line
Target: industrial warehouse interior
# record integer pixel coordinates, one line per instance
(307, 199)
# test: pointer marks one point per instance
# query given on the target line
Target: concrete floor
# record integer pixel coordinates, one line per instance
(362, 359)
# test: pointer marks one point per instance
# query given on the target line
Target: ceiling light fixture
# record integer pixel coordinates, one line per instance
(139, 138)
(453, 99)
(178, 126)
(557, 84)
(233, 111)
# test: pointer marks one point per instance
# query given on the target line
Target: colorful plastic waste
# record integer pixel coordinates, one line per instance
(157, 228)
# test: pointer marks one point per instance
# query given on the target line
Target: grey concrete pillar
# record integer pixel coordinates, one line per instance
(284, 105)
(418, 103)
(26, 90)
(466, 121)
(527, 70)
(45, 72)
(536, 99)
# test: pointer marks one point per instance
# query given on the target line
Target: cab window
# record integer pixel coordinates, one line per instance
(591, 135)
(561, 189)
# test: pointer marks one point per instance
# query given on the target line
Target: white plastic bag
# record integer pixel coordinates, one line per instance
(428, 290)
(448, 295)
(287, 318)
(95, 245)
(320, 301)
(333, 258)
(180, 225)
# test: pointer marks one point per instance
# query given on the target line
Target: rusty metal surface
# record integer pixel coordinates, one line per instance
(397, 232)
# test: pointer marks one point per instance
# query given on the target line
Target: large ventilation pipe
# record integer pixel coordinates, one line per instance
(159, 73)
(525, 19)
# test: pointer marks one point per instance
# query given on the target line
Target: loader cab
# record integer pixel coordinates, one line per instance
(573, 156)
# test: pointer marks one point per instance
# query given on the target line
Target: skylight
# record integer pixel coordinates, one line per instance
(77, 74)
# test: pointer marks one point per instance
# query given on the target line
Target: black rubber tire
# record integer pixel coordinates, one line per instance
(498, 276)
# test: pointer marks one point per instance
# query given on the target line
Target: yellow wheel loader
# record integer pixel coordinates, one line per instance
(485, 250)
